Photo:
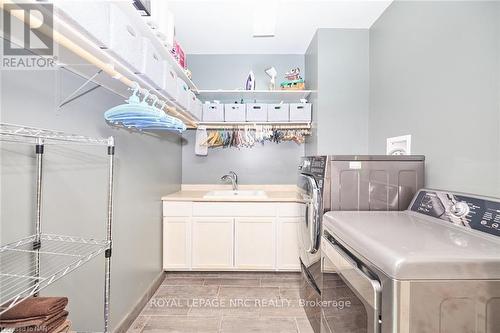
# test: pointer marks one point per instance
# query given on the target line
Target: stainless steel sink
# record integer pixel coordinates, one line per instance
(248, 194)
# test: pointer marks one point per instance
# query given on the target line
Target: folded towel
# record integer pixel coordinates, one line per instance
(33, 311)
(22, 323)
(64, 328)
(49, 326)
(35, 307)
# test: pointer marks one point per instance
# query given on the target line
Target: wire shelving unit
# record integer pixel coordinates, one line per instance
(32, 263)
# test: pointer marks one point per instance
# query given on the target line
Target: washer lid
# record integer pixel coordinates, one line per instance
(407, 245)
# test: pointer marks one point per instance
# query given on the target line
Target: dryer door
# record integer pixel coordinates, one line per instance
(310, 228)
(350, 294)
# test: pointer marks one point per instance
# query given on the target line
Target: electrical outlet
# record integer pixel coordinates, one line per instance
(399, 145)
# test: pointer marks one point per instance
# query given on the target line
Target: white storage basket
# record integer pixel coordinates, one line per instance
(234, 112)
(300, 112)
(213, 112)
(126, 41)
(256, 112)
(278, 112)
(194, 105)
(182, 93)
(169, 87)
(91, 16)
(198, 109)
(152, 65)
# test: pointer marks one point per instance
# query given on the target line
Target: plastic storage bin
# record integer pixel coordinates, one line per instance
(182, 93)
(194, 105)
(152, 65)
(213, 112)
(300, 112)
(169, 87)
(234, 112)
(126, 41)
(197, 109)
(256, 112)
(91, 16)
(278, 112)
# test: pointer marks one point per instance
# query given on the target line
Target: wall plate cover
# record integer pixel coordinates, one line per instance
(399, 145)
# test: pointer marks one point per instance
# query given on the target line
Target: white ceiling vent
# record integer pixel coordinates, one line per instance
(264, 19)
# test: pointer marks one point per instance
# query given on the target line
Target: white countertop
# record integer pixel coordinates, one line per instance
(275, 193)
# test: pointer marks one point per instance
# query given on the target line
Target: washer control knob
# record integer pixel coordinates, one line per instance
(460, 209)
(306, 164)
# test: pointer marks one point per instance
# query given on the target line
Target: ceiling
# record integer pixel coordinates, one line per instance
(226, 26)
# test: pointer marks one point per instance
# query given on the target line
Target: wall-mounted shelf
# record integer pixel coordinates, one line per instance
(235, 125)
(276, 96)
(81, 55)
(146, 31)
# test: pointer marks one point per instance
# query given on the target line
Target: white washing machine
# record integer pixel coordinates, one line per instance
(434, 268)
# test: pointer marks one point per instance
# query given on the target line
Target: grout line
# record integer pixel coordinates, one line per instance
(296, 324)
(220, 322)
(145, 323)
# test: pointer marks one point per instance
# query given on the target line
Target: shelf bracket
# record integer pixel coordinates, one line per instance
(76, 94)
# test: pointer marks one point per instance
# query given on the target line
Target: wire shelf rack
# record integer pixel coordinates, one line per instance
(20, 274)
(35, 262)
(31, 135)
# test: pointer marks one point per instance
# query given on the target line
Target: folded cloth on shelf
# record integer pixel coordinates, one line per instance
(64, 328)
(33, 311)
(51, 325)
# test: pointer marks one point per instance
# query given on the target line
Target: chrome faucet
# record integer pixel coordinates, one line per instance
(233, 177)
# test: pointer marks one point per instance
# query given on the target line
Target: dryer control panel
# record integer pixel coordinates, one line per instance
(314, 166)
(478, 213)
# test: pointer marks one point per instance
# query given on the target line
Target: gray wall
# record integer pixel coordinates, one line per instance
(268, 164)
(230, 71)
(337, 61)
(75, 190)
(311, 60)
(435, 74)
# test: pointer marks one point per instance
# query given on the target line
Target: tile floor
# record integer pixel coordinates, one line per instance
(225, 302)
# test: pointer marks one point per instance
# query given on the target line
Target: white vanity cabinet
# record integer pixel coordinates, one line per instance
(177, 242)
(231, 235)
(287, 240)
(212, 243)
(254, 243)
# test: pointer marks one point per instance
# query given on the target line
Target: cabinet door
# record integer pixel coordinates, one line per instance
(288, 252)
(255, 243)
(212, 240)
(176, 243)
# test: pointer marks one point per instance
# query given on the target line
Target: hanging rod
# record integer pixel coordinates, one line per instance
(247, 125)
(82, 53)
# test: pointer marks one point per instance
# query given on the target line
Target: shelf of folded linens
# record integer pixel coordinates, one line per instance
(58, 255)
